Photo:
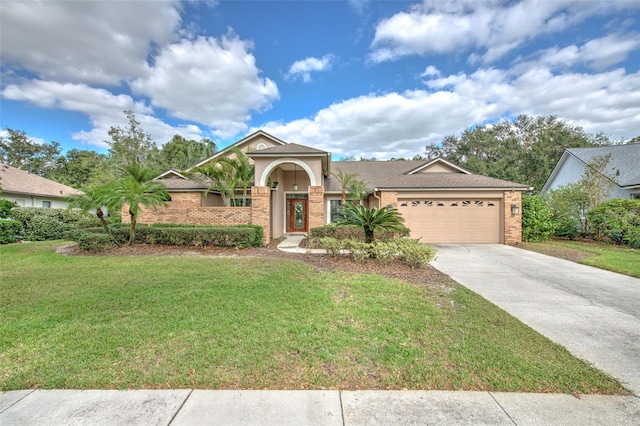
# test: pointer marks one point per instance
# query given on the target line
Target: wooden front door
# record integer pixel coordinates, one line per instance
(297, 215)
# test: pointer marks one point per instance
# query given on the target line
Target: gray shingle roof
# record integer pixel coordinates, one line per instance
(393, 175)
(288, 149)
(177, 184)
(449, 181)
(625, 158)
(14, 180)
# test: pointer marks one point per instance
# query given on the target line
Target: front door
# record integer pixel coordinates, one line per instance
(297, 215)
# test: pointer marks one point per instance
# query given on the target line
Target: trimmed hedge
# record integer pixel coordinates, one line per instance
(349, 232)
(9, 229)
(221, 236)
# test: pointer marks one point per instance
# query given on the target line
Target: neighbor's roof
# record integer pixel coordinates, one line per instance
(16, 181)
(625, 158)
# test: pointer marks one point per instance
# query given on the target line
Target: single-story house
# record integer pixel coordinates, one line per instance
(29, 190)
(623, 168)
(295, 189)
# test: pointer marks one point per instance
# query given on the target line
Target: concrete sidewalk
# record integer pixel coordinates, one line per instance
(229, 407)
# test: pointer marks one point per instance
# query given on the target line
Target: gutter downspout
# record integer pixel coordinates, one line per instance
(377, 198)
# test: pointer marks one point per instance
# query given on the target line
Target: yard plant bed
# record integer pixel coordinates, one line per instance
(160, 318)
(621, 259)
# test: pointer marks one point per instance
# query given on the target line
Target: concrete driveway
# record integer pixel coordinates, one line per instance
(595, 314)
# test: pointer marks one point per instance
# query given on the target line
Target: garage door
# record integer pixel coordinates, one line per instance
(452, 221)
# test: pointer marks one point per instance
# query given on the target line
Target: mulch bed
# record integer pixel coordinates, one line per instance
(322, 262)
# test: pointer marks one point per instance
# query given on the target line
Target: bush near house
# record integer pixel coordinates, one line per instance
(8, 231)
(617, 220)
(352, 232)
(5, 208)
(240, 236)
(537, 219)
(41, 224)
(406, 250)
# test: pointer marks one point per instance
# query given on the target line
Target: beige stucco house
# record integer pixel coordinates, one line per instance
(295, 190)
(29, 190)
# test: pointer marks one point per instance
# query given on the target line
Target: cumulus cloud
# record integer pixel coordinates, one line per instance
(401, 124)
(210, 81)
(103, 108)
(489, 30)
(85, 41)
(305, 67)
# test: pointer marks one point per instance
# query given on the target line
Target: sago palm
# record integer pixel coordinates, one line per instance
(371, 219)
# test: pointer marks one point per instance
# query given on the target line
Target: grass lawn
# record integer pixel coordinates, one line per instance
(259, 323)
(622, 259)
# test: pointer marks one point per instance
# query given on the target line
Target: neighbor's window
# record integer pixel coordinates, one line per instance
(46, 204)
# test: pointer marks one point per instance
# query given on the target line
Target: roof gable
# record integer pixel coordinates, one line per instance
(250, 143)
(439, 165)
(624, 163)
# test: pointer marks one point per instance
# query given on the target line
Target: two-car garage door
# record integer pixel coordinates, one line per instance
(452, 220)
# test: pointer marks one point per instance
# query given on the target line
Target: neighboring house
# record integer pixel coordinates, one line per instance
(29, 190)
(623, 168)
(294, 190)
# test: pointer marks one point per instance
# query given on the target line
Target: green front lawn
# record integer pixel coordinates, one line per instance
(259, 323)
(622, 259)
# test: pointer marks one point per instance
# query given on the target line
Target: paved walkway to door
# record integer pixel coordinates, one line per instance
(594, 313)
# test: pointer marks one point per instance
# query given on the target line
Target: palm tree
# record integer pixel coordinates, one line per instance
(137, 191)
(358, 189)
(219, 177)
(345, 179)
(243, 171)
(370, 219)
(91, 199)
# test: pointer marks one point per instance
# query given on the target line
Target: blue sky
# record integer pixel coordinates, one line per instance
(362, 78)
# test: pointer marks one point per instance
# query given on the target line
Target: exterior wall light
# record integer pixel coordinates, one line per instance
(515, 210)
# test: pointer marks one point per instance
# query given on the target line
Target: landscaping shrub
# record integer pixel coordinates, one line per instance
(413, 253)
(350, 232)
(333, 246)
(537, 219)
(407, 250)
(92, 241)
(569, 205)
(39, 224)
(5, 208)
(616, 219)
(221, 236)
(360, 251)
(9, 230)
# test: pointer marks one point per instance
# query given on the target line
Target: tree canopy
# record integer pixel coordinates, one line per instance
(525, 150)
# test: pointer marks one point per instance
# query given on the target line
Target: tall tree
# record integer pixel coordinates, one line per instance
(79, 168)
(137, 191)
(19, 151)
(131, 145)
(524, 150)
(180, 153)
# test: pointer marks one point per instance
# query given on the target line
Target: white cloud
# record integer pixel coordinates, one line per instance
(401, 124)
(303, 68)
(431, 71)
(100, 42)
(359, 6)
(209, 81)
(103, 108)
(489, 30)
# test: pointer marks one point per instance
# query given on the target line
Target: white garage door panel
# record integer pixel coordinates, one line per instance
(451, 220)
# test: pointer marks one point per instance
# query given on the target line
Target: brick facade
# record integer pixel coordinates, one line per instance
(261, 209)
(512, 223)
(316, 206)
(387, 198)
(185, 208)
